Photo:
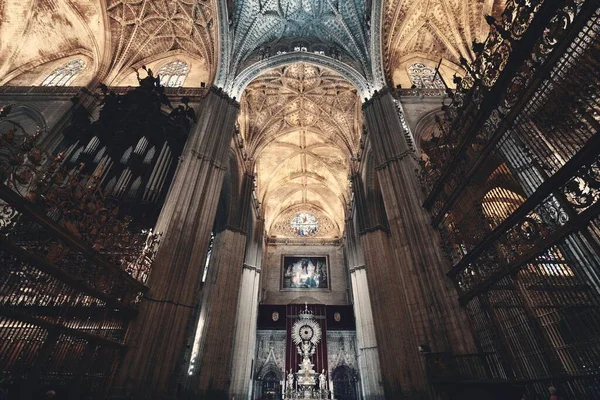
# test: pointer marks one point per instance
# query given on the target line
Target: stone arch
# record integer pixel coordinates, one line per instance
(345, 382)
(236, 88)
(423, 130)
(29, 117)
(34, 73)
(269, 368)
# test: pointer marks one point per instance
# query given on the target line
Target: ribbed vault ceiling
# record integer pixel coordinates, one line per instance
(339, 23)
(115, 35)
(434, 29)
(301, 124)
(143, 28)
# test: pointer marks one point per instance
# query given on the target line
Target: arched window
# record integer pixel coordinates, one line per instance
(173, 74)
(304, 224)
(63, 76)
(424, 77)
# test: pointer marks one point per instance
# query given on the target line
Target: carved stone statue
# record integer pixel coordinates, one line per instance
(290, 381)
(323, 381)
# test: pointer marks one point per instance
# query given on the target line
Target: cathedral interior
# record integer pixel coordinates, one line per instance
(300, 199)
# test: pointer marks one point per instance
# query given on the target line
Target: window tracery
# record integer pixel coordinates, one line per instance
(173, 74)
(304, 224)
(424, 77)
(64, 75)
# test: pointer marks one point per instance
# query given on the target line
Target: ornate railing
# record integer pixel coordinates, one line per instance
(516, 198)
(64, 308)
(416, 92)
(72, 274)
(526, 43)
(541, 221)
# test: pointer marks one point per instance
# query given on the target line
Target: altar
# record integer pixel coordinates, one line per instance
(306, 383)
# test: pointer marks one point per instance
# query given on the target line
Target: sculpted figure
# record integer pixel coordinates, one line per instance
(323, 381)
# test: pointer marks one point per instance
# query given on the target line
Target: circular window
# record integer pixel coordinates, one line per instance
(304, 224)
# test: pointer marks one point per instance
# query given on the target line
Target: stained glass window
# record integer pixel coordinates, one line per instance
(304, 224)
(63, 76)
(424, 77)
(173, 74)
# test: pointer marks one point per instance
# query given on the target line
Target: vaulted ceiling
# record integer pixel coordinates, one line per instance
(117, 35)
(430, 30)
(301, 123)
(338, 23)
(141, 29)
(113, 36)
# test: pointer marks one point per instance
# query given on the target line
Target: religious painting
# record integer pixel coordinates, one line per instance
(304, 272)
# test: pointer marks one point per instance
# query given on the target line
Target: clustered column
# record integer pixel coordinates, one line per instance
(222, 292)
(247, 314)
(413, 301)
(154, 359)
(367, 354)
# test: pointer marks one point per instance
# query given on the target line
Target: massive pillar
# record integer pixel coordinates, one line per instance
(154, 359)
(216, 324)
(223, 290)
(367, 351)
(413, 301)
(247, 313)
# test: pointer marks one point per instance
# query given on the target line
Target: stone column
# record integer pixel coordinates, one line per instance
(368, 357)
(413, 300)
(244, 347)
(158, 335)
(216, 322)
(222, 292)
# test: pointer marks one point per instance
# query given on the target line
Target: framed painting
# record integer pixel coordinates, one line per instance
(304, 272)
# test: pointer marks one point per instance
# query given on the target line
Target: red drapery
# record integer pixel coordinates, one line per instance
(292, 358)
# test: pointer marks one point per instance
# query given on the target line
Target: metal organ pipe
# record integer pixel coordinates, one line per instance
(152, 179)
(126, 155)
(103, 168)
(122, 183)
(141, 146)
(99, 155)
(92, 145)
(157, 173)
(76, 155)
(69, 151)
(150, 155)
(134, 187)
(163, 178)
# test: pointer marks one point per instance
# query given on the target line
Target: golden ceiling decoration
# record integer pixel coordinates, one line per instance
(301, 124)
(35, 32)
(434, 28)
(301, 96)
(143, 28)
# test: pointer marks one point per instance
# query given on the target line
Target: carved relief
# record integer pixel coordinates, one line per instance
(270, 352)
(341, 349)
